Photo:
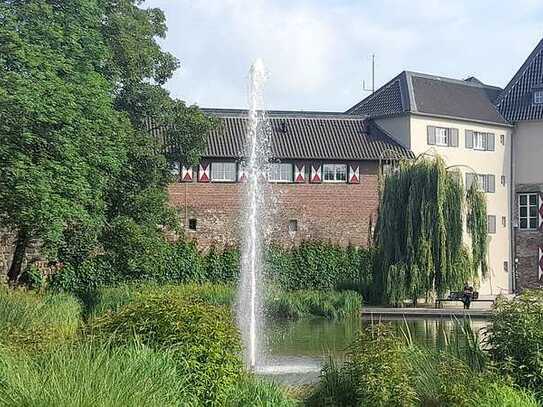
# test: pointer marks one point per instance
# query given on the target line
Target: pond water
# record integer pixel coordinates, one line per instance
(297, 349)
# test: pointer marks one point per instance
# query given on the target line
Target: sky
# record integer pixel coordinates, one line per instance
(318, 52)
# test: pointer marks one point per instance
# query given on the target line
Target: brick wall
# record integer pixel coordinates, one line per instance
(527, 244)
(340, 213)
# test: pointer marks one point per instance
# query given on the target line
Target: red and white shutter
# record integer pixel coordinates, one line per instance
(203, 173)
(354, 174)
(316, 174)
(540, 206)
(540, 264)
(299, 173)
(242, 173)
(186, 173)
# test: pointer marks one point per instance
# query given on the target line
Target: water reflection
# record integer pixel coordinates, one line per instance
(310, 342)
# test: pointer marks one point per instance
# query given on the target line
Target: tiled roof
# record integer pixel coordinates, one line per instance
(412, 92)
(305, 135)
(516, 101)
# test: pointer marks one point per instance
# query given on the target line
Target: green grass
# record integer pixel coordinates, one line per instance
(309, 303)
(88, 375)
(33, 320)
(251, 392)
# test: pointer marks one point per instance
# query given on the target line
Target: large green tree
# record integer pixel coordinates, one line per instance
(80, 86)
(61, 139)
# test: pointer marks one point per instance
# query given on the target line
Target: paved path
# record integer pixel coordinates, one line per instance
(384, 313)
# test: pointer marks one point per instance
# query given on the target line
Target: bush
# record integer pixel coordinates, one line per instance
(515, 337)
(34, 320)
(251, 392)
(502, 395)
(375, 373)
(320, 266)
(306, 303)
(87, 375)
(201, 336)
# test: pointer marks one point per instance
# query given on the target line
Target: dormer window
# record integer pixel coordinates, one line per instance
(538, 97)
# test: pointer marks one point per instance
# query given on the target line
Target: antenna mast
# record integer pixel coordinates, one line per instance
(372, 90)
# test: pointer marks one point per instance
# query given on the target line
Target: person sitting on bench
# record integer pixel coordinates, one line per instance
(467, 295)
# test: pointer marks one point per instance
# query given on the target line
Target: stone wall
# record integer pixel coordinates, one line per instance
(340, 213)
(6, 251)
(527, 244)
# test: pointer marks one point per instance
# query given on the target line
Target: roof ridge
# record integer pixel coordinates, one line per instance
(452, 80)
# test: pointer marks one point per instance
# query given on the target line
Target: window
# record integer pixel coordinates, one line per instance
(192, 224)
(223, 172)
(479, 141)
(503, 179)
(486, 182)
(292, 225)
(335, 172)
(538, 97)
(504, 221)
(502, 139)
(281, 172)
(491, 224)
(442, 136)
(528, 214)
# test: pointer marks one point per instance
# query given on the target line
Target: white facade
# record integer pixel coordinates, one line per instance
(411, 131)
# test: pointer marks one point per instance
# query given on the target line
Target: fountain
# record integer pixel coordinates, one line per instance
(258, 152)
(258, 209)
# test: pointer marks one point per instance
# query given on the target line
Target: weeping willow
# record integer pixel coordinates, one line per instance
(419, 235)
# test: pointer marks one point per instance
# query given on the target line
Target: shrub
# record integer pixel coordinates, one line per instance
(201, 336)
(375, 373)
(34, 320)
(222, 266)
(87, 375)
(251, 392)
(515, 338)
(498, 394)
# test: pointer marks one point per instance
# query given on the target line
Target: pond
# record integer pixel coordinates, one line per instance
(297, 349)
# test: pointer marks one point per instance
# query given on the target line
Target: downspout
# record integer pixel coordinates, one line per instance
(512, 231)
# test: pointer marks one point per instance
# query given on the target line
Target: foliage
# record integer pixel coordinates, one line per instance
(61, 140)
(419, 234)
(515, 339)
(317, 265)
(89, 375)
(32, 277)
(32, 320)
(375, 373)
(201, 337)
(476, 220)
(312, 303)
(498, 394)
(222, 266)
(251, 392)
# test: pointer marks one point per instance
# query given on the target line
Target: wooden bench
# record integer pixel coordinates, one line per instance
(459, 296)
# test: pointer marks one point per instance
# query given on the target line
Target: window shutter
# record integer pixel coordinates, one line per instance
(453, 139)
(431, 135)
(490, 142)
(491, 224)
(491, 183)
(469, 139)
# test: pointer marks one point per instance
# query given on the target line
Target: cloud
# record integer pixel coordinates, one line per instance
(318, 51)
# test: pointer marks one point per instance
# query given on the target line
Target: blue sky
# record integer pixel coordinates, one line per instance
(318, 52)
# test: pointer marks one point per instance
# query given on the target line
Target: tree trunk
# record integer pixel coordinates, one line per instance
(18, 258)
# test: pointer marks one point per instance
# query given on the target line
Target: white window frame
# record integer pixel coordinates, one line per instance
(335, 169)
(281, 173)
(538, 97)
(219, 171)
(442, 136)
(479, 141)
(527, 206)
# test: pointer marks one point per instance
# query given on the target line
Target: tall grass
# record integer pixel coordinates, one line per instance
(310, 303)
(29, 319)
(89, 375)
(252, 392)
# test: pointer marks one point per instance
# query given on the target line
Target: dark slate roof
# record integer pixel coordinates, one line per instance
(412, 92)
(516, 101)
(305, 135)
